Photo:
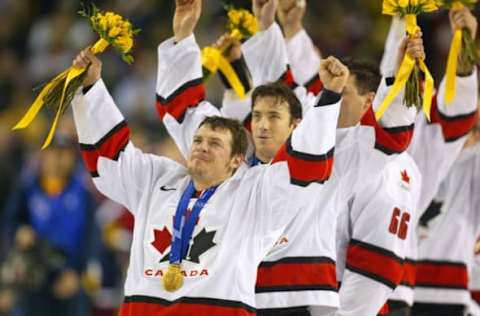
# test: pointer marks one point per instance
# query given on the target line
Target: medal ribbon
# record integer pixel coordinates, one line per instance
(183, 228)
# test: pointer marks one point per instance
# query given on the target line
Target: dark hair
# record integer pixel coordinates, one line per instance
(367, 75)
(280, 92)
(239, 137)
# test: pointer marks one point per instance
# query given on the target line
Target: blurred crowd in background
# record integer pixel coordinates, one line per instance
(64, 248)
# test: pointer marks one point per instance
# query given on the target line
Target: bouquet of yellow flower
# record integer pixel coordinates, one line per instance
(408, 75)
(241, 25)
(462, 48)
(58, 93)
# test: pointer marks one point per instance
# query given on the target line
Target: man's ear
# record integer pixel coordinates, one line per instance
(368, 102)
(296, 122)
(237, 161)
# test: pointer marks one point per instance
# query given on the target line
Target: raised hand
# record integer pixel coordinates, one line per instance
(411, 46)
(94, 72)
(463, 18)
(264, 11)
(290, 14)
(230, 46)
(334, 74)
(187, 14)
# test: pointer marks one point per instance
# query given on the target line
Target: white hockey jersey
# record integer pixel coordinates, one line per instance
(446, 254)
(238, 225)
(372, 234)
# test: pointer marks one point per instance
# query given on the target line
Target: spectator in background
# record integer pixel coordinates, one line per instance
(49, 221)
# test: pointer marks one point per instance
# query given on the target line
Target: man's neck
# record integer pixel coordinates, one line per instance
(204, 184)
(264, 158)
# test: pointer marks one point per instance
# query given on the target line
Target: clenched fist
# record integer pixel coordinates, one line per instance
(94, 72)
(264, 11)
(334, 74)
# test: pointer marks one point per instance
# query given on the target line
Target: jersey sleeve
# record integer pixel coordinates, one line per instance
(395, 36)
(300, 166)
(266, 57)
(180, 91)
(437, 144)
(380, 217)
(304, 61)
(119, 170)
(394, 131)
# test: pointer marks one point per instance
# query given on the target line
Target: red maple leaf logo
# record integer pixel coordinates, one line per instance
(162, 240)
(405, 177)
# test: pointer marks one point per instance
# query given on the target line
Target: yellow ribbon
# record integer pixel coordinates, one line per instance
(451, 72)
(213, 60)
(404, 72)
(38, 103)
(427, 89)
(68, 75)
(401, 78)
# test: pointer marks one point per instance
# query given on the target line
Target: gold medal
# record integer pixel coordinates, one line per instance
(173, 278)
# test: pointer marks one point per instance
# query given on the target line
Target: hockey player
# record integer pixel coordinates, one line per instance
(244, 210)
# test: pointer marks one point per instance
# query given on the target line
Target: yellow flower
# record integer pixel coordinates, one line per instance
(242, 21)
(234, 17)
(403, 3)
(114, 31)
(101, 22)
(429, 6)
(125, 43)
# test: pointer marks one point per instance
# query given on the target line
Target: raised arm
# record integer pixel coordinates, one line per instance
(394, 130)
(303, 56)
(265, 53)
(180, 90)
(119, 170)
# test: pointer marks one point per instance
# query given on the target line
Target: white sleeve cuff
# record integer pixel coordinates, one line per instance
(95, 113)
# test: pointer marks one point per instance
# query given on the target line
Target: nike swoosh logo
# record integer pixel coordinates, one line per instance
(164, 188)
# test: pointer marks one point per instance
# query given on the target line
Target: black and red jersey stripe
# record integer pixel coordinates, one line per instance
(297, 274)
(388, 140)
(305, 168)
(110, 146)
(185, 306)
(441, 274)
(475, 296)
(287, 78)
(314, 85)
(409, 273)
(188, 95)
(453, 127)
(374, 262)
